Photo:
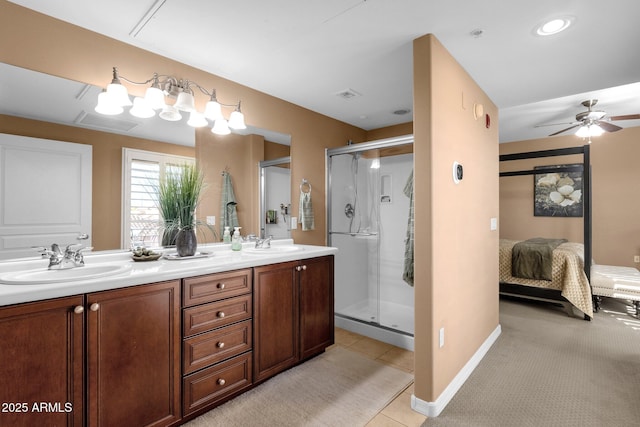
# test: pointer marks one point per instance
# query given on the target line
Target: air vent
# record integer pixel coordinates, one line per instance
(348, 94)
(104, 122)
(402, 112)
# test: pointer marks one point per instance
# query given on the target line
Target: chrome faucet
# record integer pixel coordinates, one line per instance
(71, 257)
(260, 243)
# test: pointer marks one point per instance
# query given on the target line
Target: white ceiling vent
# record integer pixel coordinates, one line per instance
(104, 122)
(347, 94)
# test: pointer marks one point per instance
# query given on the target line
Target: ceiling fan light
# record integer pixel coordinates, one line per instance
(221, 127)
(170, 113)
(185, 102)
(587, 131)
(141, 108)
(106, 107)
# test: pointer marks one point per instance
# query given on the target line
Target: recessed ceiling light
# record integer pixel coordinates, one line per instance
(553, 26)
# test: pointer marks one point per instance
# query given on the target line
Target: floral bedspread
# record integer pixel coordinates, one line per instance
(567, 274)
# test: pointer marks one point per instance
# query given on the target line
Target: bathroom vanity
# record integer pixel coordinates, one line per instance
(159, 342)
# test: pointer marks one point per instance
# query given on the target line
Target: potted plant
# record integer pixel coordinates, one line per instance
(178, 198)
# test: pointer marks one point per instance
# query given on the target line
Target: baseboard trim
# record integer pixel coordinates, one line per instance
(433, 409)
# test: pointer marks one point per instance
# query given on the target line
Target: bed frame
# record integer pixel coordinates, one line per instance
(553, 295)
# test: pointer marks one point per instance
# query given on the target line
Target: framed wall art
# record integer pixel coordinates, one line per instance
(558, 194)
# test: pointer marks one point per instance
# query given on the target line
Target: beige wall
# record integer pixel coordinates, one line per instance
(44, 44)
(615, 201)
(456, 285)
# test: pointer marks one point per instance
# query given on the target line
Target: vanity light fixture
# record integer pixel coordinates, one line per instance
(115, 98)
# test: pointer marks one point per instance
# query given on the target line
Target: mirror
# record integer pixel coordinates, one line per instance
(53, 101)
(275, 198)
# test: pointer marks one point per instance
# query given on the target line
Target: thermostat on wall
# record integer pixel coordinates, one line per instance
(457, 172)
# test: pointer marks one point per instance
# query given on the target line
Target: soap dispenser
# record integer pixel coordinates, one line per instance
(226, 236)
(236, 240)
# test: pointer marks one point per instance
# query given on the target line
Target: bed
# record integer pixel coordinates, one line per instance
(570, 284)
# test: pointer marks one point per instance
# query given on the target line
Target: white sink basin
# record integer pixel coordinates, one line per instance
(272, 250)
(39, 277)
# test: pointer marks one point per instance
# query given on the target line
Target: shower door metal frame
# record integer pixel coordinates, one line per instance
(352, 149)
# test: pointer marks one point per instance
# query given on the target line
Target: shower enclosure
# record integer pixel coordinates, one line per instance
(367, 222)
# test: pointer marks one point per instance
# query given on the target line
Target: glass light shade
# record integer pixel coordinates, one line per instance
(155, 98)
(213, 110)
(105, 106)
(587, 131)
(236, 120)
(170, 114)
(185, 102)
(197, 120)
(375, 164)
(118, 94)
(221, 127)
(141, 108)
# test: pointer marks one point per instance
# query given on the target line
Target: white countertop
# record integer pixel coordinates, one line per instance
(221, 259)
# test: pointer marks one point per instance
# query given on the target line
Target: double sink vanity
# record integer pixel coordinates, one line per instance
(123, 343)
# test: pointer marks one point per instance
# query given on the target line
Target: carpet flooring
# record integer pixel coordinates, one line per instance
(336, 388)
(548, 369)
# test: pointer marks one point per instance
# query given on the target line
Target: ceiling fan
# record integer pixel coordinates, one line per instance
(593, 122)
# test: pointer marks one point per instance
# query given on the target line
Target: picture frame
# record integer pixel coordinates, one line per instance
(558, 194)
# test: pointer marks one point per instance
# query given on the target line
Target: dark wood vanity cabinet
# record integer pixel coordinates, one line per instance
(133, 355)
(293, 313)
(120, 347)
(217, 339)
(42, 363)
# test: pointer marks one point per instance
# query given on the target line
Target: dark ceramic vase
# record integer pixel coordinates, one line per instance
(186, 242)
(169, 236)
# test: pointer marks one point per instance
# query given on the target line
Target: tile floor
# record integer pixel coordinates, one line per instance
(398, 413)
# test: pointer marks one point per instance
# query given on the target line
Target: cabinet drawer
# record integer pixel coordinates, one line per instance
(212, 287)
(212, 384)
(214, 346)
(215, 315)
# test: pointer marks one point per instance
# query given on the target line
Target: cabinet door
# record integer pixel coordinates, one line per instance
(41, 363)
(316, 305)
(275, 319)
(134, 355)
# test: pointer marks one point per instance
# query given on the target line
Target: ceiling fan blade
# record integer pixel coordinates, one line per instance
(609, 127)
(554, 124)
(564, 130)
(626, 117)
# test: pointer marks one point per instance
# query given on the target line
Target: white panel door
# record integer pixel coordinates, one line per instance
(45, 194)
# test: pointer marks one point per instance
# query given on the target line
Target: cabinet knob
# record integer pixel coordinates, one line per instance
(221, 381)
(304, 267)
(298, 268)
(78, 309)
(220, 285)
(220, 314)
(94, 307)
(220, 345)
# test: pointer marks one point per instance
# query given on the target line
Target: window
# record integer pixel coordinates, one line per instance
(142, 172)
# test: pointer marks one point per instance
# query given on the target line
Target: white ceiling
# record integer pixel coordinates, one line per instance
(306, 52)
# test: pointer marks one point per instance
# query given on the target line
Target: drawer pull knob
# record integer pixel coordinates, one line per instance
(78, 309)
(221, 381)
(220, 345)
(220, 314)
(94, 307)
(221, 285)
